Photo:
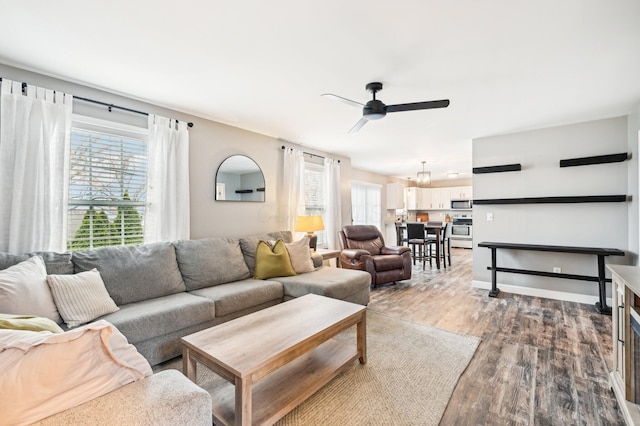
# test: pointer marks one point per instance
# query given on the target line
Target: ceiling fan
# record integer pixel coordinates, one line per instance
(375, 109)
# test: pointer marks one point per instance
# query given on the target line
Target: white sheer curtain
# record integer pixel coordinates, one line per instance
(35, 131)
(293, 187)
(333, 209)
(167, 211)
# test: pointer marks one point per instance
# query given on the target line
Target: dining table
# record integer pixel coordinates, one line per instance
(436, 227)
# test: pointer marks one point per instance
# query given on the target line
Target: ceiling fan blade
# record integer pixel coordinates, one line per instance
(343, 100)
(358, 125)
(418, 105)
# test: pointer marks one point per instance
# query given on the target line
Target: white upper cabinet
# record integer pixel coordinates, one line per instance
(441, 198)
(411, 198)
(431, 198)
(395, 196)
(423, 198)
(461, 193)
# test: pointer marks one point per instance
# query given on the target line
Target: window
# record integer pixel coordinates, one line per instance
(366, 204)
(107, 184)
(314, 194)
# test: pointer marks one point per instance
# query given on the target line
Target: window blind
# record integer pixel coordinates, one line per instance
(107, 185)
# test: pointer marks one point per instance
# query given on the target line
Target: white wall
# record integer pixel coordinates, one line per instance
(592, 224)
(210, 144)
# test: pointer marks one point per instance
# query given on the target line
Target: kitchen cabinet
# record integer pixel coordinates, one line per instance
(441, 198)
(411, 198)
(461, 193)
(435, 198)
(423, 196)
(395, 196)
(418, 198)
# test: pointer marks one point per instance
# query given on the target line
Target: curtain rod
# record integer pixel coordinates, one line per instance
(307, 153)
(110, 106)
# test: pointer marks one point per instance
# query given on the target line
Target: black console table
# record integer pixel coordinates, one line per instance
(600, 279)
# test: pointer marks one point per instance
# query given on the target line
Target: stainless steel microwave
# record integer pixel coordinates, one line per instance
(461, 204)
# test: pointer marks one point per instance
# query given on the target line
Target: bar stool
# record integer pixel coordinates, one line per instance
(400, 240)
(417, 239)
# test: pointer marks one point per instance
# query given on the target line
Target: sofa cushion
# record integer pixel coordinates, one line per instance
(80, 297)
(327, 281)
(234, 297)
(272, 261)
(250, 244)
(45, 373)
(143, 320)
(24, 290)
(55, 263)
(134, 273)
(210, 261)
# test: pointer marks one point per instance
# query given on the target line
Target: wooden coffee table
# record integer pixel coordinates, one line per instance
(276, 358)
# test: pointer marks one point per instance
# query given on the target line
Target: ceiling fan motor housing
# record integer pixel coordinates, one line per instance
(374, 110)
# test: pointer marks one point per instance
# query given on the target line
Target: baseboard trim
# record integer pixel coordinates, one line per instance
(540, 292)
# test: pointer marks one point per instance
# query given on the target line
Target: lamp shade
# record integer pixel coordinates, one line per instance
(309, 223)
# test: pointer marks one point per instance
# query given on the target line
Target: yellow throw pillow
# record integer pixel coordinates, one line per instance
(272, 262)
(28, 323)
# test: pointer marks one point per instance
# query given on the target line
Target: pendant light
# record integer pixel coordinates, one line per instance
(424, 177)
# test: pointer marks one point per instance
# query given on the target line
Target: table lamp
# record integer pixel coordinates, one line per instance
(309, 224)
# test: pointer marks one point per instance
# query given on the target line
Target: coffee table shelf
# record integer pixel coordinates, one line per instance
(287, 387)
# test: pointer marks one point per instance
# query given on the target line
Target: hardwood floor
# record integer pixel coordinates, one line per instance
(541, 361)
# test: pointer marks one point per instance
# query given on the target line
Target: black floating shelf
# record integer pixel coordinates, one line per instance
(555, 200)
(497, 169)
(260, 189)
(244, 191)
(598, 159)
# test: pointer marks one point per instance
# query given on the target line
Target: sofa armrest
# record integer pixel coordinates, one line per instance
(165, 398)
(317, 259)
(394, 249)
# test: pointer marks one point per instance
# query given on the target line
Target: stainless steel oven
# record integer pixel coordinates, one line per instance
(462, 230)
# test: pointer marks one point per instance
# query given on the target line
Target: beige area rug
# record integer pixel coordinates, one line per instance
(411, 372)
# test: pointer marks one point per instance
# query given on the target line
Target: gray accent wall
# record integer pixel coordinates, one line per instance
(590, 224)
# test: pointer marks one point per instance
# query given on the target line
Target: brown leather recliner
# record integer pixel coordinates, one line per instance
(363, 248)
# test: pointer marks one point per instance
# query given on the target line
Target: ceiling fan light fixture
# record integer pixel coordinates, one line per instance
(424, 178)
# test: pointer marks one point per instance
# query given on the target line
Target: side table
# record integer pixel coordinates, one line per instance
(328, 254)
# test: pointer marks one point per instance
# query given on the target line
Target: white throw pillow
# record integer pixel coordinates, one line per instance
(300, 255)
(45, 373)
(24, 290)
(81, 297)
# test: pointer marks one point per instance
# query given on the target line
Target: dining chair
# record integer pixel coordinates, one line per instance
(432, 240)
(400, 238)
(417, 238)
(445, 242)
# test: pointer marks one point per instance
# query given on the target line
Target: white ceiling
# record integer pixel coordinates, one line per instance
(262, 65)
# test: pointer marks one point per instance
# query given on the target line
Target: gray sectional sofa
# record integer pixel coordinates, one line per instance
(169, 290)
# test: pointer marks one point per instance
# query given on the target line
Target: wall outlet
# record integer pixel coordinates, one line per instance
(489, 217)
(557, 269)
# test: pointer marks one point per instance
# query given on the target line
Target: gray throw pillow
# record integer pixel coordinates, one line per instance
(134, 273)
(210, 261)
